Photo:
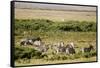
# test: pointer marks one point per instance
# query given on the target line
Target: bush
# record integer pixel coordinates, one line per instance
(47, 25)
(26, 52)
(34, 24)
(83, 26)
(89, 54)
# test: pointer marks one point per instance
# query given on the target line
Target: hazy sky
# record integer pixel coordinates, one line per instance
(53, 6)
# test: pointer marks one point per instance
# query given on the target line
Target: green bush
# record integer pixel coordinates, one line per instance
(89, 54)
(26, 52)
(83, 26)
(38, 24)
(47, 25)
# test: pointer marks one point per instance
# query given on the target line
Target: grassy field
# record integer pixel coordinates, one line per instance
(49, 58)
(54, 15)
(42, 61)
(52, 27)
(50, 36)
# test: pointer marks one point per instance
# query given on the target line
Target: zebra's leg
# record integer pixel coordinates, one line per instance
(67, 51)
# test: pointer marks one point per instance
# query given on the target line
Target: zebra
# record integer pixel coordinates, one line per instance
(43, 47)
(68, 49)
(87, 49)
(31, 41)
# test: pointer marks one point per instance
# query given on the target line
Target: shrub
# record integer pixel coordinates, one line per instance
(47, 25)
(26, 52)
(89, 54)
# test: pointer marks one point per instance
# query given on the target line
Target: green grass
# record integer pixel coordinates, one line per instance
(54, 37)
(42, 61)
(82, 33)
(28, 55)
(49, 57)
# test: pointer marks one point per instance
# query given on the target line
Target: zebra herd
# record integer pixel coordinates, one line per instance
(59, 47)
(68, 49)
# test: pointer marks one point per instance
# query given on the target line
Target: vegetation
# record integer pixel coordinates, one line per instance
(48, 25)
(27, 55)
(26, 52)
(55, 15)
(53, 26)
(80, 32)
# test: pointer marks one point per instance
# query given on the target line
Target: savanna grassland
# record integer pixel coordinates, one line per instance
(55, 15)
(53, 26)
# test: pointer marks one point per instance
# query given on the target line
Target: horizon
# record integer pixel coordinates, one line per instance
(43, 6)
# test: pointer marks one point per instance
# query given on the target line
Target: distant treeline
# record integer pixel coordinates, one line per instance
(48, 25)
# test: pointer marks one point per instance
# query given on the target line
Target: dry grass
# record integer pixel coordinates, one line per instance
(41, 61)
(54, 15)
(81, 39)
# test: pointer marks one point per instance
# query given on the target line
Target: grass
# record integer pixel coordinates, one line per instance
(82, 38)
(27, 55)
(53, 26)
(54, 15)
(51, 58)
(41, 61)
